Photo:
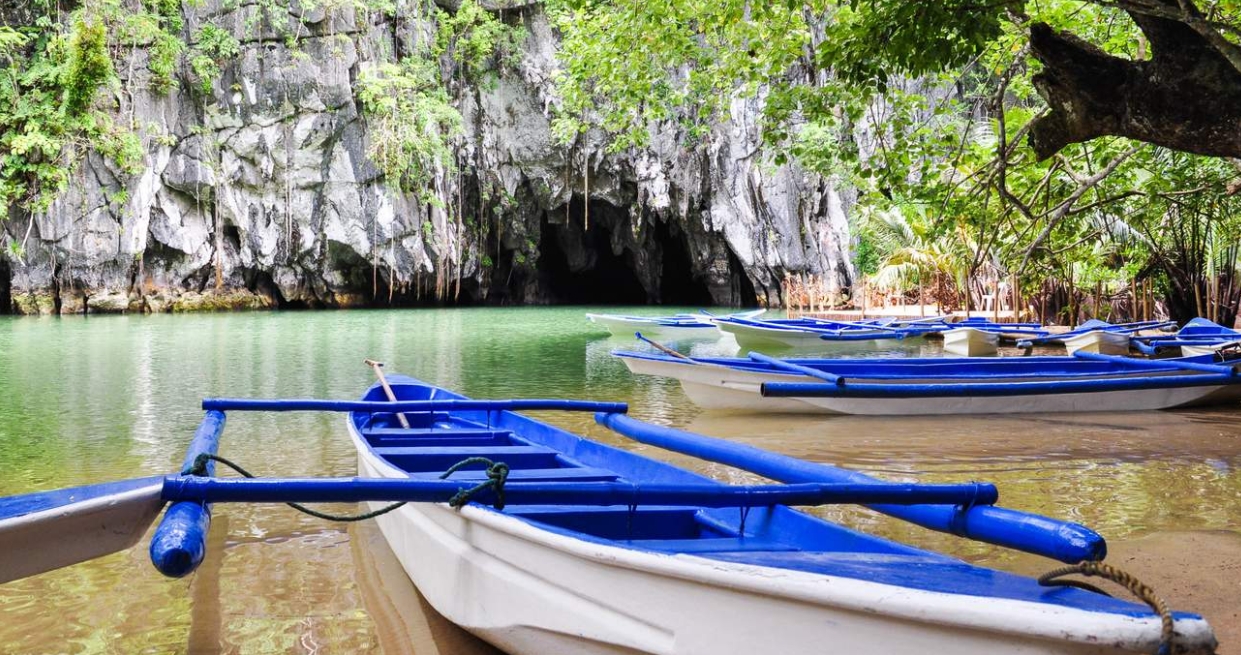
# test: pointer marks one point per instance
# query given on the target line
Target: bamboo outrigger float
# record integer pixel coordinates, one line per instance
(541, 541)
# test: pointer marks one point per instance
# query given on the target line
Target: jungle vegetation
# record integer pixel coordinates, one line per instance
(1076, 146)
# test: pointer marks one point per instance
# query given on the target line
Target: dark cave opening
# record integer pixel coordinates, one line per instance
(6, 287)
(598, 276)
(743, 293)
(677, 283)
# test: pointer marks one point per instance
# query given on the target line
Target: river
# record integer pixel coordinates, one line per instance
(92, 399)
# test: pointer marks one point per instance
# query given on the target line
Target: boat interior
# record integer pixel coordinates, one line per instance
(777, 536)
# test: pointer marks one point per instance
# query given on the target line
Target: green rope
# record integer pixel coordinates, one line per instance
(200, 468)
(497, 475)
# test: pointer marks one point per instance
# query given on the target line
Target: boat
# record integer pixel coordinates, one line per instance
(541, 541)
(1192, 349)
(680, 327)
(806, 333)
(1096, 336)
(971, 342)
(927, 386)
(1199, 336)
(1098, 341)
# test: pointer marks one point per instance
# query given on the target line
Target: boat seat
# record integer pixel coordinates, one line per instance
(441, 458)
(407, 433)
(443, 437)
(713, 545)
(615, 522)
(566, 474)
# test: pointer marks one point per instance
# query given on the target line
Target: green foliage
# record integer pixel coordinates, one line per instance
(412, 120)
(213, 46)
(50, 112)
(165, 52)
(89, 65)
(478, 41)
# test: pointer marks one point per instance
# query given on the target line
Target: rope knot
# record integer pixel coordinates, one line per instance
(497, 475)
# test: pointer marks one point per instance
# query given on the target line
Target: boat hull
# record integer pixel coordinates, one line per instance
(725, 388)
(625, 328)
(757, 337)
(534, 592)
(1100, 342)
(969, 342)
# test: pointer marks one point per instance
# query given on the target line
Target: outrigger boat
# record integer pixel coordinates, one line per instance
(915, 386)
(541, 541)
(1099, 337)
(817, 333)
(1199, 336)
(681, 327)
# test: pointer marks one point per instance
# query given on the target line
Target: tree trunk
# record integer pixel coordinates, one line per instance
(1186, 97)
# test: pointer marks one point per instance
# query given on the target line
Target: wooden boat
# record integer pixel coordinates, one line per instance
(971, 342)
(591, 549)
(916, 386)
(681, 327)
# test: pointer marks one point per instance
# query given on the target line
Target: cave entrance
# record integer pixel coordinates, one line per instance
(742, 291)
(597, 276)
(677, 283)
(6, 287)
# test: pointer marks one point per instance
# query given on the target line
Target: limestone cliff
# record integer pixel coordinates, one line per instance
(260, 193)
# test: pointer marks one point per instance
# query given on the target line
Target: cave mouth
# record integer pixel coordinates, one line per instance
(6, 287)
(677, 283)
(602, 278)
(742, 291)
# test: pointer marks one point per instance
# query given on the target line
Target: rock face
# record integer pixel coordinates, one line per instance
(260, 194)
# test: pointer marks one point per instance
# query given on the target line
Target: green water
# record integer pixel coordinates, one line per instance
(94, 399)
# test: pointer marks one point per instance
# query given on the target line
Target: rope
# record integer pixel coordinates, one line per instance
(200, 468)
(497, 475)
(1122, 578)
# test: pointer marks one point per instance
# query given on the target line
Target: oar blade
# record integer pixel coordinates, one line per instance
(48, 530)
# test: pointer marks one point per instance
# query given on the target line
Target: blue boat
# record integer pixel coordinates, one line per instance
(1086, 382)
(1199, 336)
(541, 541)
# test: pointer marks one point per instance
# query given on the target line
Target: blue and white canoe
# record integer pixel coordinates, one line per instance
(681, 327)
(808, 333)
(927, 386)
(1199, 336)
(595, 550)
(1099, 337)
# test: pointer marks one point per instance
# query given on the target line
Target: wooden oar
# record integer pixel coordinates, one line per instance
(662, 348)
(383, 382)
(52, 529)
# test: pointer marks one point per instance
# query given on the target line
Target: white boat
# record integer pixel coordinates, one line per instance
(682, 327)
(1192, 350)
(1098, 341)
(971, 342)
(545, 586)
(802, 334)
(540, 541)
(938, 386)
(661, 328)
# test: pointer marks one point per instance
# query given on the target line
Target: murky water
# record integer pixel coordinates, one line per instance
(93, 399)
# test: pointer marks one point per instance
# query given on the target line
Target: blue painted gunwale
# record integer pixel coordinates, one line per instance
(777, 537)
(947, 368)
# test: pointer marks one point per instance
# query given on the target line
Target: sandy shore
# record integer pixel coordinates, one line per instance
(1193, 571)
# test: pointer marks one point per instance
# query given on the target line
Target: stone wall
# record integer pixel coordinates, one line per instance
(260, 194)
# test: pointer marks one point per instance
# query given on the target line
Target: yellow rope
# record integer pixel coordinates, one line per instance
(1124, 579)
